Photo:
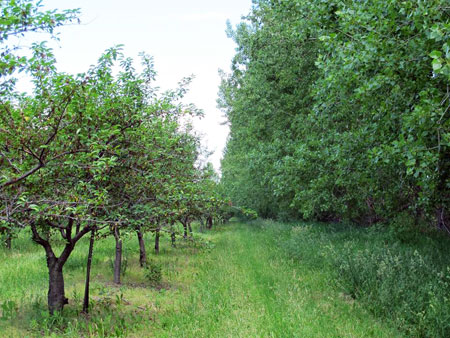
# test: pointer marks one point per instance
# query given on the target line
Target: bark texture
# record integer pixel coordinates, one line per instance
(118, 258)
(142, 253)
(56, 295)
(157, 234)
(88, 273)
(173, 238)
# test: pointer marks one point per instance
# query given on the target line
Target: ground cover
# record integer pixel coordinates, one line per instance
(232, 282)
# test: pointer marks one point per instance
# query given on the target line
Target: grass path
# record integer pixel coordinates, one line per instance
(246, 288)
(243, 287)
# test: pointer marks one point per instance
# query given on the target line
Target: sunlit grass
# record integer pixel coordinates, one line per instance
(240, 286)
(246, 288)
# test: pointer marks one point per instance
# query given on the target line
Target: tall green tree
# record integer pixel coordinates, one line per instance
(340, 110)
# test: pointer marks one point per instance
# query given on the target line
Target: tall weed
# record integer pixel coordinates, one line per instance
(398, 276)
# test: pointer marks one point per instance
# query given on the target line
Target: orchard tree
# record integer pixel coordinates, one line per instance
(19, 19)
(73, 144)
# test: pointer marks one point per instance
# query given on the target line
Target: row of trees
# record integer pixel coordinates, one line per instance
(339, 110)
(98, 153)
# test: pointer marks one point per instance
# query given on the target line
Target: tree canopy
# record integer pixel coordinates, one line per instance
(99, 152)
(339, 110)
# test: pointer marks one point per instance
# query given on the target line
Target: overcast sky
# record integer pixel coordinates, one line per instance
(184, 36)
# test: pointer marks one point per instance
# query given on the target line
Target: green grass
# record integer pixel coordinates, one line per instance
(246, 288)
(242, 285)
(402, 277)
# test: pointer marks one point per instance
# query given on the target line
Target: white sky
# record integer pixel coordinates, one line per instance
(184, 36)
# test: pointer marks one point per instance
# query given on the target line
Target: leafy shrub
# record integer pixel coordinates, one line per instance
(404, 228)
(197, 242)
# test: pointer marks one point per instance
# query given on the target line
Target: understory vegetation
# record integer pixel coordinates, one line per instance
(115, 310)
(240, 280)
(261, 278)
(404, 281)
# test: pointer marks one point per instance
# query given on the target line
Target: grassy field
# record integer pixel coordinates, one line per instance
(234, 282)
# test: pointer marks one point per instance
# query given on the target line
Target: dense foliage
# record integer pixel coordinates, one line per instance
(339, 110)
(102, 152)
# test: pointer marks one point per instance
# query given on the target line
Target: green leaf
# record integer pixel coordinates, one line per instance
(437, 64)
(435, 54)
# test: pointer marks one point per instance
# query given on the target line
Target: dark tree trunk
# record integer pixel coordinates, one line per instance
(8, 242)
(118, 259)
(8, 239)
(88, 273)
(56, 296)
(185, 234)
(142, 253)
(442, 222)
(157, 240)
(209, 222)
(173, 238)
(189, 227)
(77, 227)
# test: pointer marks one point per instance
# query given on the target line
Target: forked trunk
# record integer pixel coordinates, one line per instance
(142, 253)
(56, 296)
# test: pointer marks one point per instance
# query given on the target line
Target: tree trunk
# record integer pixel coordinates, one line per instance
(56, 296)
(9, 242)
(88, 273)
(209, 222)
(185, 234)
(77, 227)
(441, 220)
(142, 253)
(157, 240)
(118, 260)
(8, 239)
(189, 227)
(173, 237)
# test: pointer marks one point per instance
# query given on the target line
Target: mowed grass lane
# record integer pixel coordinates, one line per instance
(242, 286)
(245, 287)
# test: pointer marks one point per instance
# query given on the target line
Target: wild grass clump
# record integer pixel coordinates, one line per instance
(400, 276)
(109, 317)
(398, 283)
(153, 272)
(198, 242)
